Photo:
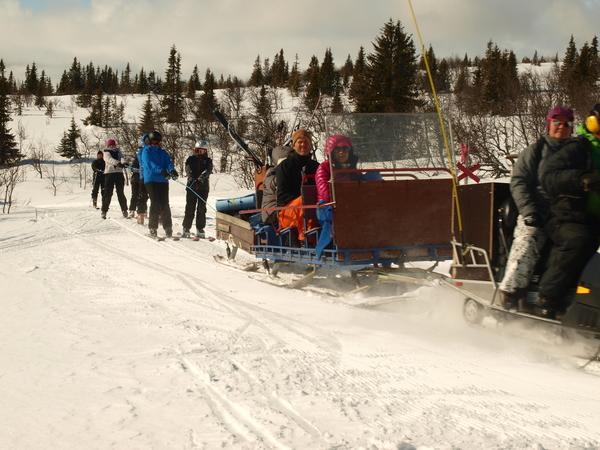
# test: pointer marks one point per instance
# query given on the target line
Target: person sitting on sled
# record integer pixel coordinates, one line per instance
(289, 175)
(340, 153)
(269, 199)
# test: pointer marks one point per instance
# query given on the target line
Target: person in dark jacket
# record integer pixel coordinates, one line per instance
(139, 196)
(289, 175)
(98, 179)
(533, 205)
(156, 170)
(572, 179)
(198, 168)
(113, 178)
(269, 199)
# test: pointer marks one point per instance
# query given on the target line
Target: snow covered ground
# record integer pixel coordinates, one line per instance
(113, 340)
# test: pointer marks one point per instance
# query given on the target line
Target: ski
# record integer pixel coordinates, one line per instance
(207, 238)
(250, 267)
(164, 238)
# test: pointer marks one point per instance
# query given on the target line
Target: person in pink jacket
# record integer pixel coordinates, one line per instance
(340, 153)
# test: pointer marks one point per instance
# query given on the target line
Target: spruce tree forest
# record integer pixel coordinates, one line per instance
(491, 105)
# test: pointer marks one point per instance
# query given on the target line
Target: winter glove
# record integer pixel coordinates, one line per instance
(121, 165)
(590, 182)
(190, 181)
(165, 174)
(174, 174)
(202, 179)
(533, 220)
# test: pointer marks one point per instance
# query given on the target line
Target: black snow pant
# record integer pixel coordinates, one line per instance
(194, 206)
(159, 206)
(98, 186)
(574, 244)
(139, 196)
(114, 181)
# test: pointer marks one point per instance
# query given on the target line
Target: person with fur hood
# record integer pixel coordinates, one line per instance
(269, 200)
(340, 153)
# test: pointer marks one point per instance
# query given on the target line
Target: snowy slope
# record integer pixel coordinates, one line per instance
(113, 340)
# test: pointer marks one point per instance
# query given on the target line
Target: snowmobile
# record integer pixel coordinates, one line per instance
(478, 268)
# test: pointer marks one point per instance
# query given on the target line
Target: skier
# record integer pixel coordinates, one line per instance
(113, 178)
(157, 169)
(139, 196)
(198, 168)
(533, 205)
(98, 179)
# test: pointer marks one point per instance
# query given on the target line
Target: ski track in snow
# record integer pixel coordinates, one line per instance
(146, 344)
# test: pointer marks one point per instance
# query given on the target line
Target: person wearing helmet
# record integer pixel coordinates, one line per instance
(198, 168)
(156, 168)
(114, 162)
(572, 179)
(98, 181)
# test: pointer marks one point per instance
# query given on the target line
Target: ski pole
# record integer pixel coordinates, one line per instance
(195, 193)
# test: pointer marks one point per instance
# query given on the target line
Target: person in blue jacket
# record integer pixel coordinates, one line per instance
(156, 168)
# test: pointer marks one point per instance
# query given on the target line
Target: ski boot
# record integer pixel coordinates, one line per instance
(103, 214)
(200, 234)
(95, 203)
(140, 219)
(186, 233)
(153, 233)
(131, 215)
(124, 213)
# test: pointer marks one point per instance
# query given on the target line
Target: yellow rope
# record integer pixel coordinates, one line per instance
(439, 111)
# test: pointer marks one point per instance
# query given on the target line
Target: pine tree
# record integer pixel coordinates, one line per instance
(126, 85)
(267, 72)
(31, 79)
(313, 91)
(141, 83)
(68, 144)
(8, 147)
(172, 101)
(327, 74)
(147, 122)
(346, 71)
(279, 69)
(294, 79)
(256, 79)
(358, 88)
(193, 84)
(95, 117)
(208, 97)
(337, 105)
(391, 73)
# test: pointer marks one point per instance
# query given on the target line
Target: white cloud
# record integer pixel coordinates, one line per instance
(227, 35)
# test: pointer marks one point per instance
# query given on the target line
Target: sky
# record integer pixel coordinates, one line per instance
(228, 35)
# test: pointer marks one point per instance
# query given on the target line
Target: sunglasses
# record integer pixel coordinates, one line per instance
(558, 123)
(342, 150)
